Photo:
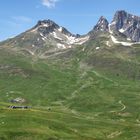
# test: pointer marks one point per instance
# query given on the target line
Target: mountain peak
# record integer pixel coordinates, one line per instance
(102, 24)
(127, 24)
(47, 26)
(119, 18)
(102, 18)
(47, 23)
(121, 12)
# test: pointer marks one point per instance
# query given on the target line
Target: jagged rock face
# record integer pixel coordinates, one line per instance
(48, 36)
(58, 35)
(118, 20)
(47, 23)
(45, 37)
(47, 26)
(66, 32)
(102, 25)
(127, 24)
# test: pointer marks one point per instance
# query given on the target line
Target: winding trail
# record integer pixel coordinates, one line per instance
(101, 76)
(122, 109)
(53, 53)
(123, 106)
(114, 134)
(73, 94)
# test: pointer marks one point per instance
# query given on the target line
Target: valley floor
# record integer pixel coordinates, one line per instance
(62, 123)
(68, 100)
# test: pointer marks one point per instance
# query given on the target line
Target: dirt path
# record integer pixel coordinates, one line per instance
(114, 134)
(122, 109)
(73, 94)
(54, 53)
(123, 106)
(101, 76)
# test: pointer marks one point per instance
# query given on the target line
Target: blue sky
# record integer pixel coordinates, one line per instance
(78, 16)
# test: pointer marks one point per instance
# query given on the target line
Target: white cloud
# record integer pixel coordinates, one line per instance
(49, 3)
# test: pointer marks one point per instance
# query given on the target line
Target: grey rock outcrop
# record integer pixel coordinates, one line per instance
(127, 24)
(102, 25)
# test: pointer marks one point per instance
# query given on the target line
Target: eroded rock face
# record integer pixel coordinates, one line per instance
(47, 26)
(102, 25)
(127, 24)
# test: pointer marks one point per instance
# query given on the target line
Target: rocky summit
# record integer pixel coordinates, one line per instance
(102, 25)
(127, 24)
(47, 26)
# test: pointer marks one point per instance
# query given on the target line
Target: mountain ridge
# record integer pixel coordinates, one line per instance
(117, 15)
(48, 36)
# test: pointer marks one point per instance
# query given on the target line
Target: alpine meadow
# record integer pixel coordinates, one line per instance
(56, 85)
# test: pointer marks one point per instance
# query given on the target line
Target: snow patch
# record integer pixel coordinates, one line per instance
(97, 48)
(128, 39)
(34, 30)
(107, 43)
(73, 40)
(61, 46)
(70, 39)
(45, 25)
(60, 29)
(126, 43)
(33, 45)
(55, 36)
(119, 42)
(80, 41)
(42, 25)
(43, 38)
(41, 35)
(122, 30)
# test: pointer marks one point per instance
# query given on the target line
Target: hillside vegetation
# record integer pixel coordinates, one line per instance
(82, 93)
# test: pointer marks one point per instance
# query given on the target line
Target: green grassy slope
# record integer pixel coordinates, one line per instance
(82, 94)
